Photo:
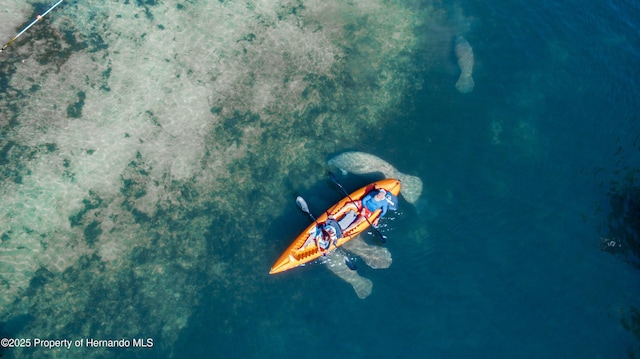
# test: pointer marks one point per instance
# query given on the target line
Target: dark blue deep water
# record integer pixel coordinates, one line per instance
(525, 243)
(515, 263)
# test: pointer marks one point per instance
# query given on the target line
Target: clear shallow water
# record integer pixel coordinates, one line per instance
(501, 257)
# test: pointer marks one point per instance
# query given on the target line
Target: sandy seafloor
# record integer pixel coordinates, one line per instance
(151, 152)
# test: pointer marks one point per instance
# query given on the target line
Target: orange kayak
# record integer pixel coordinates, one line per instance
(305, 248)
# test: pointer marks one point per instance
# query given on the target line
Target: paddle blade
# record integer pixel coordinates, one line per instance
(302, 204)
(382, 239)
(334, 180)
(350, 264)
(392, 200)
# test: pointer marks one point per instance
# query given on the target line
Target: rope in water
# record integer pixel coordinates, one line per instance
(38, 18)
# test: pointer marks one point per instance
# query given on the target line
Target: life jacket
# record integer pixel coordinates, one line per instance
(335, 225)
(325, 241)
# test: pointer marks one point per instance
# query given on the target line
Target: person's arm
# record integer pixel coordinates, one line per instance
(385, 207)
(366, 200)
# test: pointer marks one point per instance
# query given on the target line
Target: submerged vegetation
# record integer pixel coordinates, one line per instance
(142, 140)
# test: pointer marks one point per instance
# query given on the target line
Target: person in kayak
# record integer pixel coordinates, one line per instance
(327, 235)
(376, 199)
(373, 201)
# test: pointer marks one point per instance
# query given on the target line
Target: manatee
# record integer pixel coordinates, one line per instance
(376, 257)
(363, 163)
(362, 285)
(464, 54)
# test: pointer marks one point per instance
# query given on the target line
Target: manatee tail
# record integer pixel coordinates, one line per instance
(465, 83)
(411, 187)
(361, 285)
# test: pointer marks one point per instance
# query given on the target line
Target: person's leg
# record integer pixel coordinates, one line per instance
(347, 207)
(355, 223)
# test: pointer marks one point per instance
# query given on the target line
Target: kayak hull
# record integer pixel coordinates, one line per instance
(303, 250)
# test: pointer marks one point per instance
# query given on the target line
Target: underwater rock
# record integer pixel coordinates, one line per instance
(363, 163)
(464, 54)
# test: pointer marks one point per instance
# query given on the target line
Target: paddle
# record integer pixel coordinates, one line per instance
(382, 238)
(303, 206)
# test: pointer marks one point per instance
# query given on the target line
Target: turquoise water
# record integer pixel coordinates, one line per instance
(151, 153)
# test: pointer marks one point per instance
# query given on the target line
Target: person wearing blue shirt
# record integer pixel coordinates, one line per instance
(375, 200)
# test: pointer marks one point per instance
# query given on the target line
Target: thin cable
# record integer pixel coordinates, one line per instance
(38, 18)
